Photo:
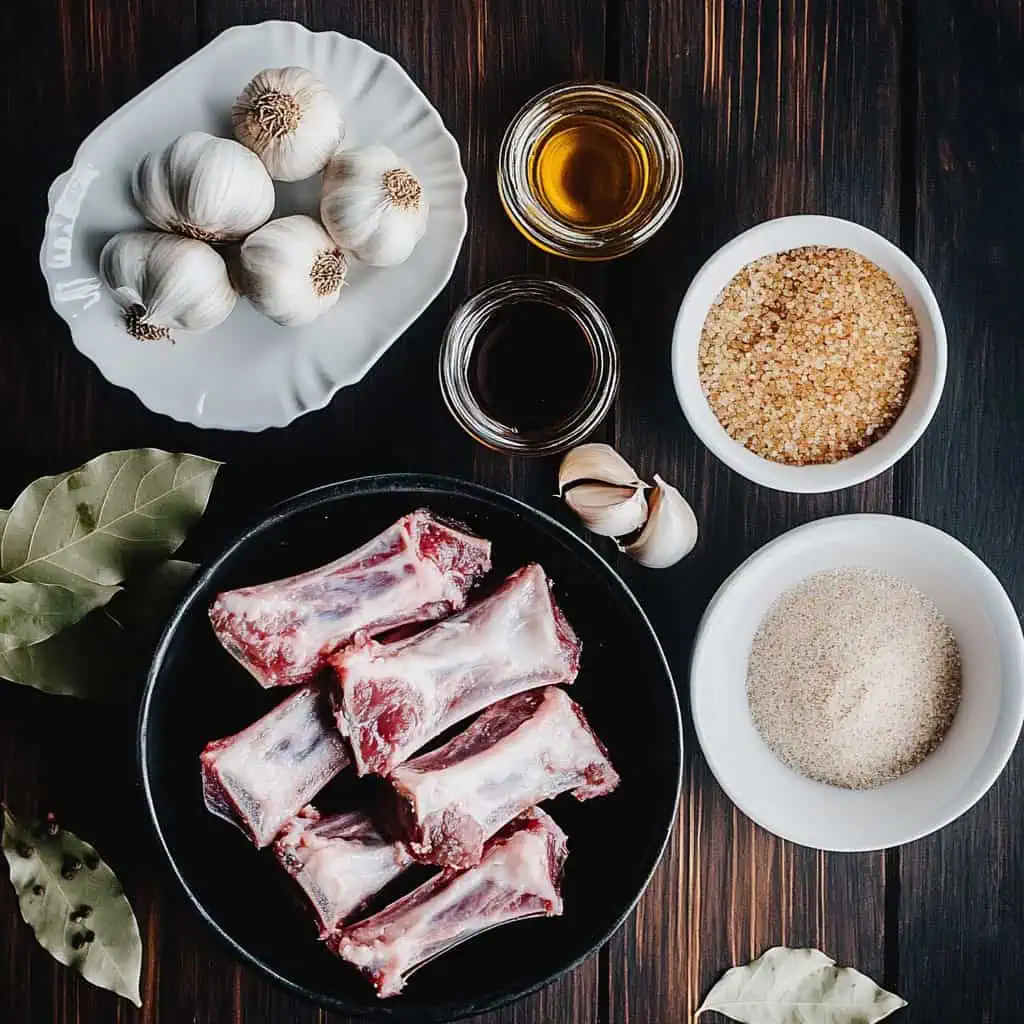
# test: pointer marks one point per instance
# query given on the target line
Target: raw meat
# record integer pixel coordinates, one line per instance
(391, 699)
(418, 569)
(523, 750)
(340, 862)
(519, 877)
(261, 776)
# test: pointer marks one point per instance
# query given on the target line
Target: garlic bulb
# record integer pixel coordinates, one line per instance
(373, 205)
(290, 120)
(596, 462)
(166, 282)
(291, 270)
(608, 511)
(206, 188)
(671, 530)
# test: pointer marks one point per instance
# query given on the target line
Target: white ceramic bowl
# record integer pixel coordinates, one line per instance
(777, 236)
(249, 373)
(945, 784)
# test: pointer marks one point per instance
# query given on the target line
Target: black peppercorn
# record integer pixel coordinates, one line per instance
(70, 866)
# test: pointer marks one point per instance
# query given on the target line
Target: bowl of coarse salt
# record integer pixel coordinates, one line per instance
(858, 682)
(809, 354)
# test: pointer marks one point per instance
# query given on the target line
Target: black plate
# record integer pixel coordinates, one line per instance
(196, 692)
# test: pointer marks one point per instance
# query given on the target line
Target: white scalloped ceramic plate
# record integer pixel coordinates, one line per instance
(250, 374)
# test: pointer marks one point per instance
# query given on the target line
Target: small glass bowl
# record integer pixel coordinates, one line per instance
(630, 111)
(464, 330)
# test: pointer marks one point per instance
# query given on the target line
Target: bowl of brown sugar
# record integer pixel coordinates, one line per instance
(809, 354)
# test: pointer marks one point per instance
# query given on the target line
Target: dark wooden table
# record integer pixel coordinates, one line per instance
(907, 117)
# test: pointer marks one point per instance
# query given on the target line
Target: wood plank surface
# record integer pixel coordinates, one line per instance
(773, 103)
(960, 930)
(478, 63)
(904, 116)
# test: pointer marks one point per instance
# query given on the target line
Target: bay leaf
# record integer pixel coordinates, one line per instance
(98, 523)
(105, 655)
(75, 905)
(33, 612)
(799, 986)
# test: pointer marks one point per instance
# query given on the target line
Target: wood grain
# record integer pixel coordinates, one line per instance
(903, 116)
(960, 929)
(478, 62)
(773, 103)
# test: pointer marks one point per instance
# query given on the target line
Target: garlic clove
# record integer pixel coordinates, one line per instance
(166, 282)
(292, 271)
(608, 510)
(290, 120)
(373, 206)
(670, 532)
(596, 461)
(214, 190)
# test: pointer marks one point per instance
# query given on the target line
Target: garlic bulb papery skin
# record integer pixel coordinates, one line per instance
(596, 461)
(166, 282)
(202, 187)
(607, 510)
(290, 120)
(373, 205)
(292, 271)
(671, 530)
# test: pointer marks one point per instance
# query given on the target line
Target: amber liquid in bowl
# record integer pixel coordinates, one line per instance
(589, 171)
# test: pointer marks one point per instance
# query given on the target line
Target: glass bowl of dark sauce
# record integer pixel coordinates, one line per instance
(529, 366)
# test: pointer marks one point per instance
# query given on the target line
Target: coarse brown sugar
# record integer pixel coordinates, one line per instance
(809, 355)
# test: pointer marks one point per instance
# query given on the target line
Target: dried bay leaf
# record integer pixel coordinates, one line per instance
(98, 523)
(799, 986)
(105, 655)
(33, 612)
(75, 905)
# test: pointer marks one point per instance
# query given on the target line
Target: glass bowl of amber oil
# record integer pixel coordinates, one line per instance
(529, 366)
(589, 170)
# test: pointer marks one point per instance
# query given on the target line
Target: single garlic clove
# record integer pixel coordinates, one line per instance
(608, 510)
(596, 461)
(166, 282)
(211, 189)
(292, 271)
(373, 205)
(670, 532)
(290, 120)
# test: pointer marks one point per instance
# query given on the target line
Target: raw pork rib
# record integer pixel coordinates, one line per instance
(339, 861)
(521, 751)
(391, 699)
(418, 569)
(261, 776)
(519, 877)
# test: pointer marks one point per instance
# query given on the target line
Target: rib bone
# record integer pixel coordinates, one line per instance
(260, 777)
(418, 569)
(528, 748)
(519, 877)
(340, 862)
(391, 699)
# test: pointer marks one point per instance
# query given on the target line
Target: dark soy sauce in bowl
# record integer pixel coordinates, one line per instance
(531, 366)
